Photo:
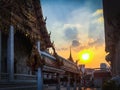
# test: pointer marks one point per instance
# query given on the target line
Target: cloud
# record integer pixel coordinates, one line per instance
(75, 43)
(72, 25)
(90, 31)
(80, 47)
(70, 33)
(82, 27)
(61, 49)
(96, 29)
(98, 16)
(89, 43)
(100, 19)
(98, 12)
(96, 43)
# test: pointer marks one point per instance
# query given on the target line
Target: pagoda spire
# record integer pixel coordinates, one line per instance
(70, 57)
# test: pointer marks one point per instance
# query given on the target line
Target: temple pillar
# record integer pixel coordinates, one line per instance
(39, 79)
(68, 82)
(10, 54)
(58, 82)
(38, 46)
(75, 83)
(39, 73)
(0, 52)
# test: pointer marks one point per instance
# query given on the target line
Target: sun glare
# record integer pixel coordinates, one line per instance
(85, 56)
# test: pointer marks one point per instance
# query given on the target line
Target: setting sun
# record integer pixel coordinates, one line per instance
(85, 56)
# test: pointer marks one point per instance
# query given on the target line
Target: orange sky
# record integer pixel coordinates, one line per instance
(99, 56)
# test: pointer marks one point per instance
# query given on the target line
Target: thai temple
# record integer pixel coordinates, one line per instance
(25, 61)
(111, 11)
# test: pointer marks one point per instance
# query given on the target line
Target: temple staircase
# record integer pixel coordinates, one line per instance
(18, 85)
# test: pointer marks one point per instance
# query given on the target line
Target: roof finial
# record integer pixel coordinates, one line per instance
(70, 57)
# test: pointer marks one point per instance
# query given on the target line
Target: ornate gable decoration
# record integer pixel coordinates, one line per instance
(27, 18)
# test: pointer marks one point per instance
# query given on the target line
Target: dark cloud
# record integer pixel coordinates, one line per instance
(71, 33)
(75, 43)
(78, 46)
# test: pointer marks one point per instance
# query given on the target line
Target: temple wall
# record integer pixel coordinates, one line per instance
(21, 55)
(111, 11)
(117, 58)
(21, 51)
(4, 54)
(20, 59)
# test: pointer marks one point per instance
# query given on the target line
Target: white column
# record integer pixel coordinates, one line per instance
(38, 46)
(39, 79)
(0, 52)
(39, 73)
(10, 54)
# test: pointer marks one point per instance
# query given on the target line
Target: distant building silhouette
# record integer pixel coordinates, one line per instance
(103, 66)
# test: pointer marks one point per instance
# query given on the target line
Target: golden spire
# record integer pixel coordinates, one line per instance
(70, 57)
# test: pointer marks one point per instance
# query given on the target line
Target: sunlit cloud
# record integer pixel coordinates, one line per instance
(83, 33)
(98, 15)
(61, 49)
(98, 12)
(100, 19)
(72, 25)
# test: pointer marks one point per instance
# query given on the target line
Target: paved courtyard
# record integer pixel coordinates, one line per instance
(64, 88)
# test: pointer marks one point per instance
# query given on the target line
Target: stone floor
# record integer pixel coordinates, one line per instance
(91, 89)
(63, 88)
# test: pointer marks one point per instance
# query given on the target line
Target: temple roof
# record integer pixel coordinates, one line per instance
(27, 18)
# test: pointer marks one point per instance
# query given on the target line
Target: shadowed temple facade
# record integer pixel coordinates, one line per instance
(24, 49)
(111, 12)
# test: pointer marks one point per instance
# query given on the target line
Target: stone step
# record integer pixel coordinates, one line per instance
(20, 88)
(17, 86)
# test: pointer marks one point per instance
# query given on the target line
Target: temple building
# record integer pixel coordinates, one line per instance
(24, 46)
(111, 11)
(21, 26)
